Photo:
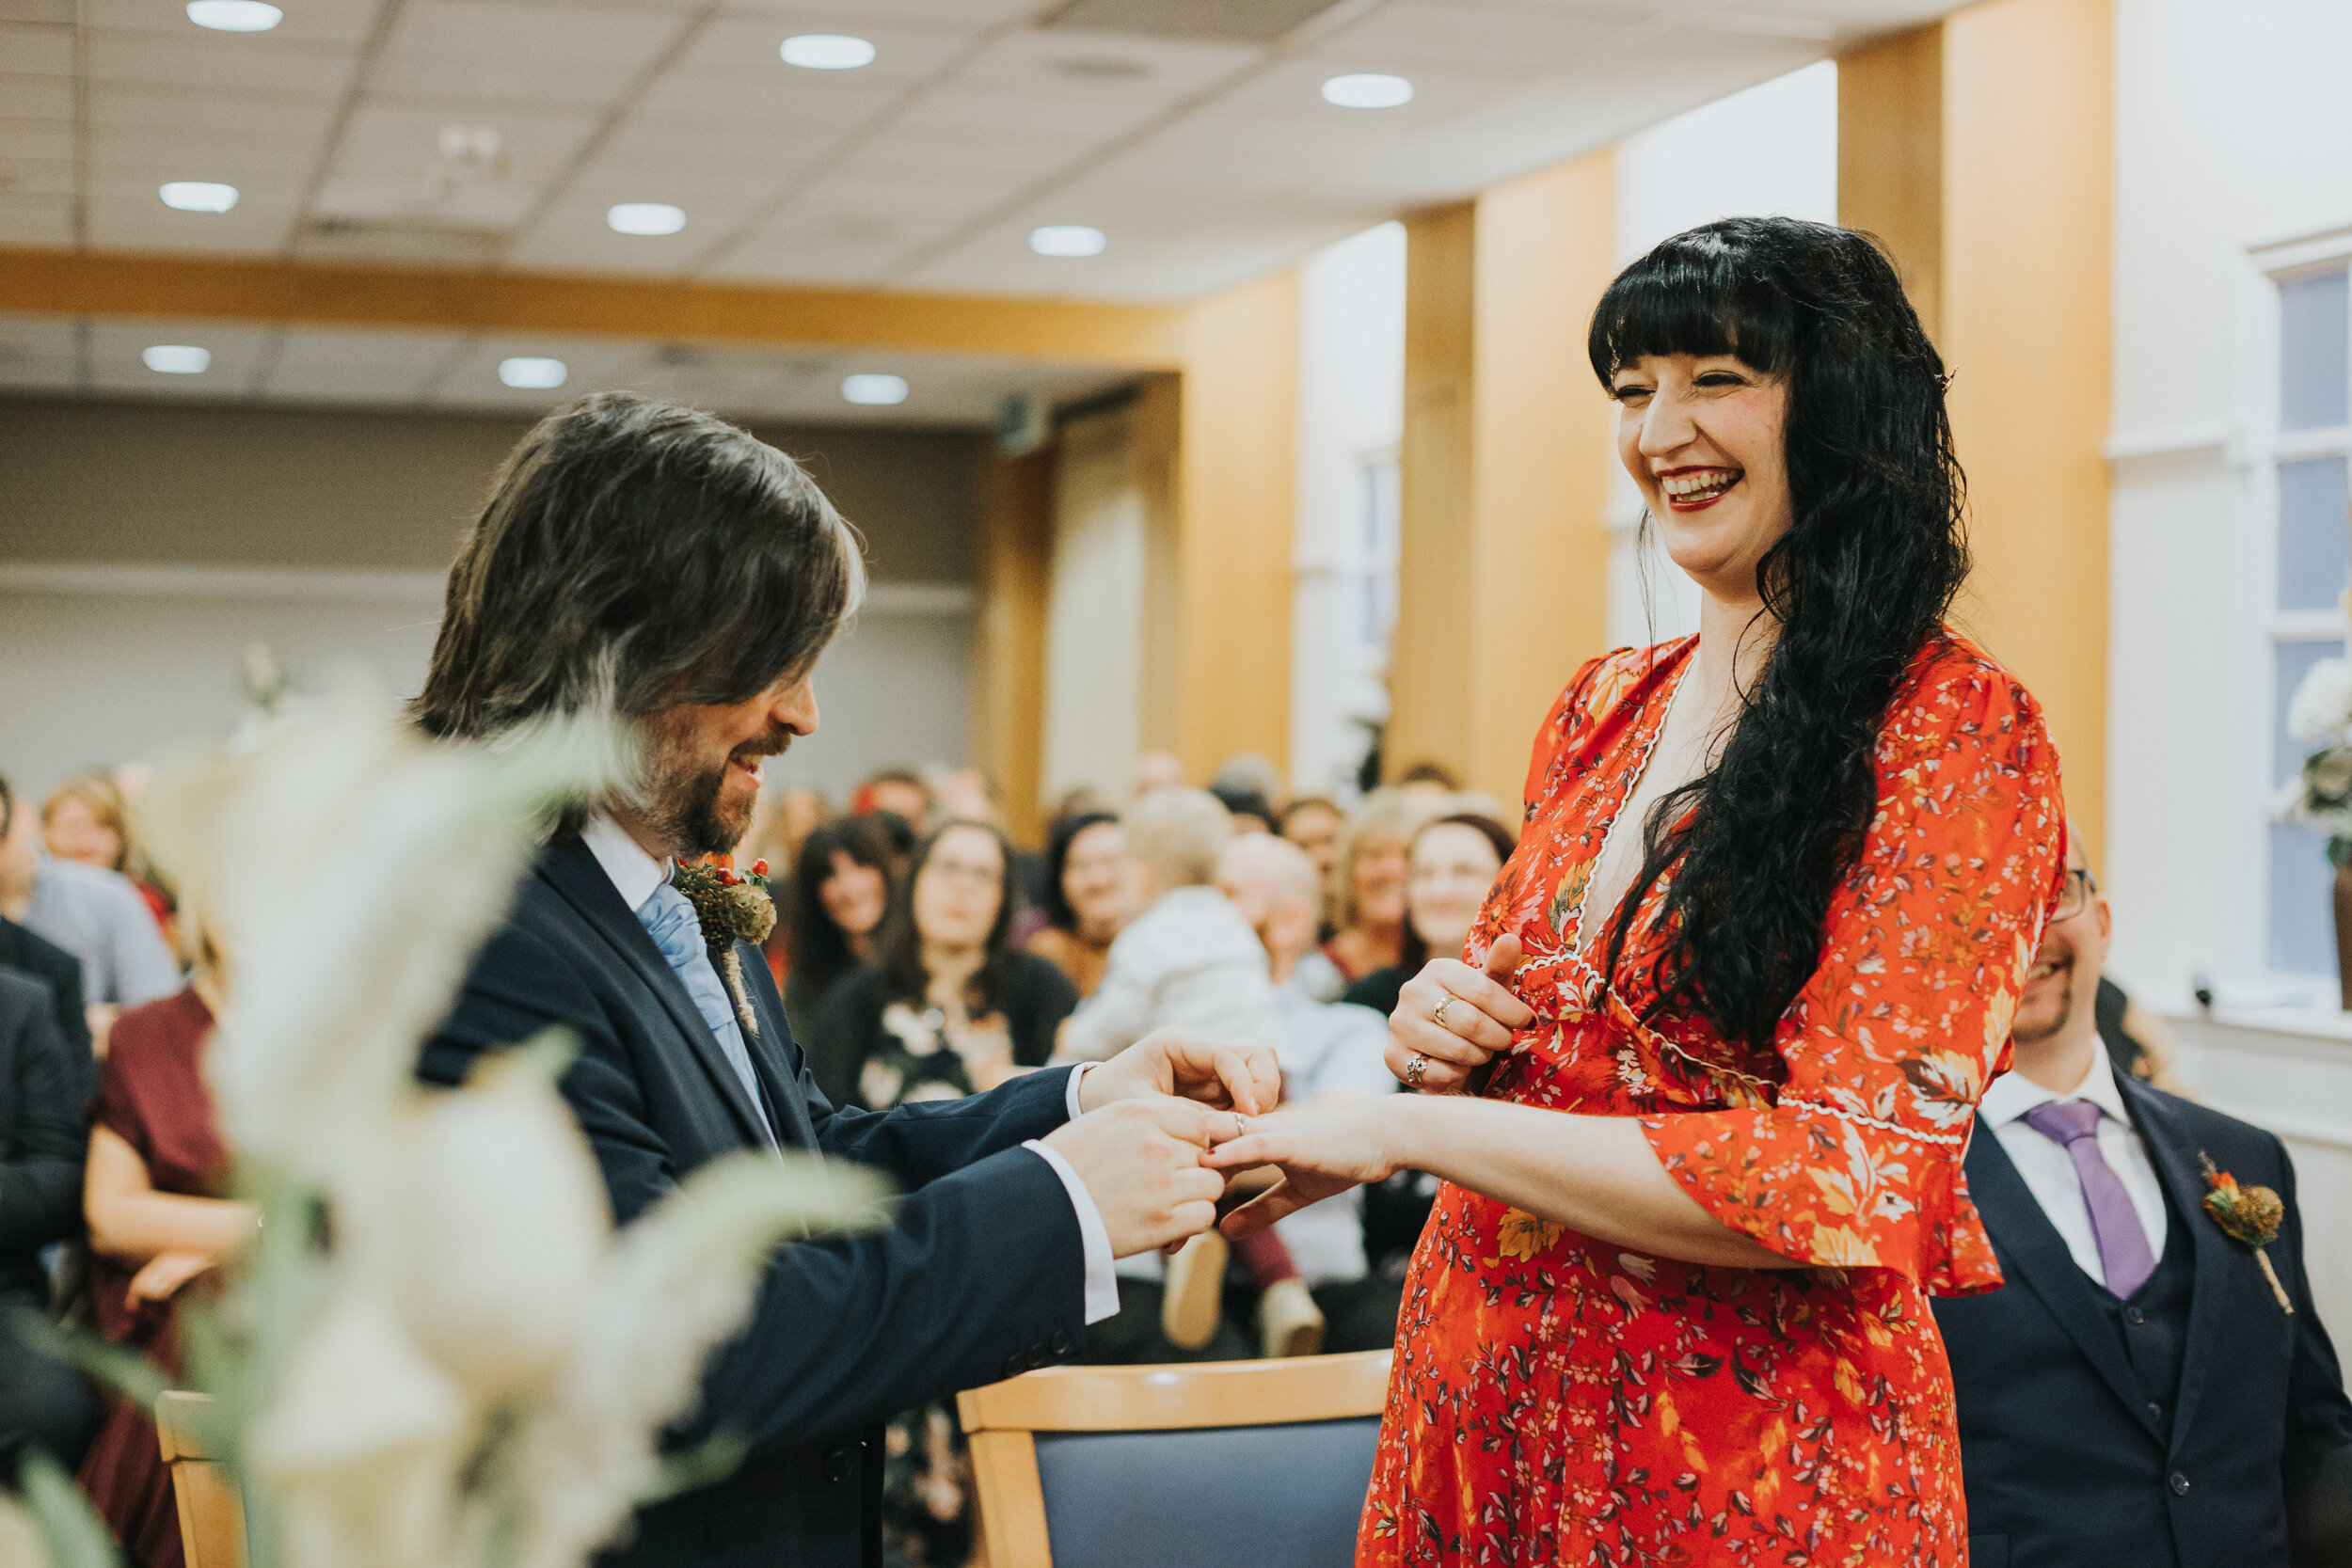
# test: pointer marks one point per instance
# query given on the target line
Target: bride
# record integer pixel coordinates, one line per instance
(1737, 991)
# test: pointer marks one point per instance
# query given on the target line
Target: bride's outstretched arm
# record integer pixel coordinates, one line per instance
(1598, 1175)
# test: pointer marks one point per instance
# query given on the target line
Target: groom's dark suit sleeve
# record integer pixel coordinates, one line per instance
(980, 1275)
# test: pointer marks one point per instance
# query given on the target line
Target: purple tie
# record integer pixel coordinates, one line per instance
(2124, 1254)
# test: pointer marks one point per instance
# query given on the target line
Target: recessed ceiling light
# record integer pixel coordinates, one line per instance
(876, 389)
(177, 359)
(646, 217)
(198, 195)
(234, 16)
(1067, 239)
(1368, 90)
(533, 375)
(827, 52)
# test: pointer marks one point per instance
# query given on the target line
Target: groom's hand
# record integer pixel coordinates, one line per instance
(1139, 1161)
(1215, 1073)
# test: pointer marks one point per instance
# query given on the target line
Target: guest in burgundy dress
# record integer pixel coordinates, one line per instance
(155, 1166)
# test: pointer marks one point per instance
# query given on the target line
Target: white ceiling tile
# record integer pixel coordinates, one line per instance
(235, 155)
(356, 366)
(40, 374)
(33, 50)
(37, 97)
(1408, 36)
(133, 222)
(858, 16)
(307, 21)
(396, 140)
(26, 335)
(36, 220)
(750, 46)
(1052, 62)
(529, 40)
(115, 364)
(209, 59)
(35, 139)
(285, 117)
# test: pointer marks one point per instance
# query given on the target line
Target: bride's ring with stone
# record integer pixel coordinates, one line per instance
(1437, 1015)
(1415, 1068)
(1240, 1127)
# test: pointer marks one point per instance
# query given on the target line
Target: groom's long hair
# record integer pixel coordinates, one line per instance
(635, 555)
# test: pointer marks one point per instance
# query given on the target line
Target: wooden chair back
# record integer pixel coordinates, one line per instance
(1323, 1404)
(212, 1515)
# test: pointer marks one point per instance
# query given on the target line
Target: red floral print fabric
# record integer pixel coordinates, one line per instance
(1557, 1400)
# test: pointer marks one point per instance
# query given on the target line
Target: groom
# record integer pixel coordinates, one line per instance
(643, 559)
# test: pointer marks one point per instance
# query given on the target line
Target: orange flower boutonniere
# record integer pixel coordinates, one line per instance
(2248, 1215)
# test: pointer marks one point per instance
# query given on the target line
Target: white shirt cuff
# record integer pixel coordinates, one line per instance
(1102, 1280)
(1070, 1090)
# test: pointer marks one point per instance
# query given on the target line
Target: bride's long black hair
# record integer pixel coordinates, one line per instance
(1861, 581)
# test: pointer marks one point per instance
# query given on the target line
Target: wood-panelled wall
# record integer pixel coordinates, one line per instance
(1237, 499)
(2002, 114)
(1504, 470)
(1012, 556)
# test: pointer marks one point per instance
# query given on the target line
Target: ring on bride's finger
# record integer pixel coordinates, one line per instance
(1437, 1014)
(1239, 1126)
(1415, 1068)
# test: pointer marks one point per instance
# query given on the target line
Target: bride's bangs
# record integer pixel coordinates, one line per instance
(1695, 294)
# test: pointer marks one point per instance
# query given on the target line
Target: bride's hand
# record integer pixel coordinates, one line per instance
(1321, 1151)
(1437, 1054)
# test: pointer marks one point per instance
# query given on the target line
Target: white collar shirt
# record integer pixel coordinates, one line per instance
(2049, 1171)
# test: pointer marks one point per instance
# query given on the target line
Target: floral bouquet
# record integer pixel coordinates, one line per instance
(2322, 792)
(435, 1351)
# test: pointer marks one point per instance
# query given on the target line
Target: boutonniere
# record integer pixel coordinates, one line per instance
(2248, 1215)
(733, 905)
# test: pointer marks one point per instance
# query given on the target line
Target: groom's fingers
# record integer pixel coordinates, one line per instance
(1251, 1075)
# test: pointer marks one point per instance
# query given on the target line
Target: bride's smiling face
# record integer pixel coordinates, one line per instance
(1702, 435)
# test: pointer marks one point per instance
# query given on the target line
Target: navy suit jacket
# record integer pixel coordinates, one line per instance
(2065, 1465)
(982, 1274)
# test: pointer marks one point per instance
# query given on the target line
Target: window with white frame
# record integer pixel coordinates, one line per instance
(2301, 483)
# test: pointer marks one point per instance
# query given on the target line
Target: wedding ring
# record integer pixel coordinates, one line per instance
(1437, 1014)
(1415, 1068)
(1240, 1127)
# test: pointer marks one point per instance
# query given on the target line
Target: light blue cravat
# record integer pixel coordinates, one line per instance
(668, 919)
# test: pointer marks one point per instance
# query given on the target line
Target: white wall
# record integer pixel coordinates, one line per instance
(1769, 152)
(100, 667)
(1351, 413)
(2233, 131)
(1094, 610)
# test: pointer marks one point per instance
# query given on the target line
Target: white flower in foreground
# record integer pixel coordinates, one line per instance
(2323, 704)
(364, 1445)
(353, 869)
(490, 1226)
(680, 1281)
(20, 1544)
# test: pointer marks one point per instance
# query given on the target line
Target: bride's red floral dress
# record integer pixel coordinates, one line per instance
(1557, 1400)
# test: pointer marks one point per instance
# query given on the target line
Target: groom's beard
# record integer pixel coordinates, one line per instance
(683, 797)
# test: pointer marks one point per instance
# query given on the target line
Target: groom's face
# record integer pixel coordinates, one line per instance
(704, 770)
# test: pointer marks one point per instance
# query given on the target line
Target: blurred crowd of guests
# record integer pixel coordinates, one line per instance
(924, 955)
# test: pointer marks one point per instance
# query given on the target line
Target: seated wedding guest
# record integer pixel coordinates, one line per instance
(1328, 1051)
(157, 1225)
(1190, 960)
(1367, 886)
(1156, 771)
(87, 820)
(1429, 781)
(899, 791)
(44, 1084)
(970, 794)
(1313, 824)
(2137, 1040)
(1249, 773)
(1450, 864)
(839, 891)
(1250, 809)
(60, 974)
(1086, 897)
(946, 1008)
(2146, 1387)
(96, 915)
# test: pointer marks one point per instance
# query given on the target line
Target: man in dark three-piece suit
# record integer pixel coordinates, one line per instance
(644, 559)
(2142, 1392)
